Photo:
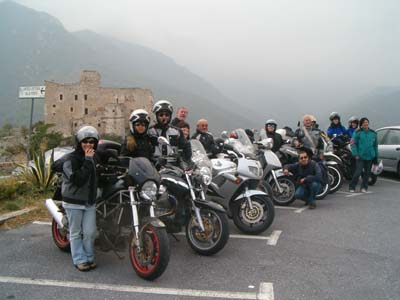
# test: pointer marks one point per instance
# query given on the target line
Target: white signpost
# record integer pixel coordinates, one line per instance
(31, 92)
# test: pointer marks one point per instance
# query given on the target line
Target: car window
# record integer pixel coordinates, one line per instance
(393, 137)
(381, 135)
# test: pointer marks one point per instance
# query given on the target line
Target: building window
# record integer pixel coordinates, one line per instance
(85, 97)
(76, 124)
(86, 111)
(54, 105)
(61, 96)
(99, 125)
(76, 97)
(72, 109)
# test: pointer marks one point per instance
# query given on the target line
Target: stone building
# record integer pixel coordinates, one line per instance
(68, 106)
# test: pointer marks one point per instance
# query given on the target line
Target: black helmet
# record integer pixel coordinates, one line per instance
(86, 132)
(138, 115)
(162, 105)
(334, 115)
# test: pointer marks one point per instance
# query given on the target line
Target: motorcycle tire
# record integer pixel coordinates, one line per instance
(336, 179)
(60, 236)
(288, 191)
(215, 236)
(372, 179)
(324, 191)
(256, 220)
(153, 259)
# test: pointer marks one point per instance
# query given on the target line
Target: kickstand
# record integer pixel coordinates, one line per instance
(112, 246)
(174, 236)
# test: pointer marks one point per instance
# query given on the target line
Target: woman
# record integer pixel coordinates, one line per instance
(185, 127)
(138, 143)
(336, 128)
(79, 191)
(365, 151)
(353, 125)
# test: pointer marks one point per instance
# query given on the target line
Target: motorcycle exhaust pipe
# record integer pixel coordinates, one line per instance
(55, 212)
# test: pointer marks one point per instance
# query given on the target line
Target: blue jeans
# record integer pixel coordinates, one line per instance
(308, 192)
(82, 232)
(362, 167)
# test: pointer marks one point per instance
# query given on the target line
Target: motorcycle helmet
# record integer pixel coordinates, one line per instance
(377, 169)
(271, 122)
(353, 119)
(334, 115)
(162, 105)
(87, 132)
(138, 115)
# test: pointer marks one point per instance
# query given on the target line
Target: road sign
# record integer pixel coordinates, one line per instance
(31, 92)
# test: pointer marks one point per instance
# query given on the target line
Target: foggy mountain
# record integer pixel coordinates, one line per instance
(36, 47)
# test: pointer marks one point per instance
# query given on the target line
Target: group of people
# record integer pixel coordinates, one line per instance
(79, 182)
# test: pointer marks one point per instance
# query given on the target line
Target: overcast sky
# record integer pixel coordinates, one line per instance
(298, 49)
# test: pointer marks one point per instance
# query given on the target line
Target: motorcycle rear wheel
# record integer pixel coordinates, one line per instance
(256, 220)
(151, 261)
(215, 236)
(60, 236)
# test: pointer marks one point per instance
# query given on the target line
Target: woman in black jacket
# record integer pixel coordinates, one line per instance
(79, 191)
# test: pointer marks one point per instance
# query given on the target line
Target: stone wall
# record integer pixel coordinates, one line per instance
(68, 106)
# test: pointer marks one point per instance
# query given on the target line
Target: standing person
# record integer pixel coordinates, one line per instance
(185, 127)
(181, 115)
(308, 175)
(162, 110)
(353, 126)
(79, 191)
(365, 151)
(138, 143)
(270, 129)
(336, 128)
(205, 137)
(309, 136)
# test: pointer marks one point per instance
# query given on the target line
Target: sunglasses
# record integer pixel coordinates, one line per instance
(88, 141)
(303, 157)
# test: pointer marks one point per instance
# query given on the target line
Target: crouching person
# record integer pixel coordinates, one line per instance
(79, 191)
(308, 176)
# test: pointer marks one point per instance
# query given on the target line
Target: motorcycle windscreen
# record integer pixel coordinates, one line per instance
(141, 170)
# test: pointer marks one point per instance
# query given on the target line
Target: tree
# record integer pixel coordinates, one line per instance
(7, 129)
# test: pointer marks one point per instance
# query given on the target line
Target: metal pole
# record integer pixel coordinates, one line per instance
(30, 133)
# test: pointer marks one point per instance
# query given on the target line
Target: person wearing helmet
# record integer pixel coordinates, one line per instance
(365, 151)
(139, 143)
(163, 110)
(353, 126)
(79, 191)
(309, 136)
(336, 128)
(270, 130)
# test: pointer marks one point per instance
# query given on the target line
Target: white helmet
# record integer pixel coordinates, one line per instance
(85, 132)
(377, 169)
(271, 122)
(138, 115)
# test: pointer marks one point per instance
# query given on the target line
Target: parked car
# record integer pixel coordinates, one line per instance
(389, 148)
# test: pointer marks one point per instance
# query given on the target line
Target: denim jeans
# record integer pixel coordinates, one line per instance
(362, 167)
(82, 232)
(308, 192)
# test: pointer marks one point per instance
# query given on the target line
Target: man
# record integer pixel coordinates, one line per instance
(308, 176)
(270, 129)
(309, 136)
(205, 137)
(181, 115)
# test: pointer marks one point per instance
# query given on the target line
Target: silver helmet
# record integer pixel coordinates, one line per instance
(85, 132)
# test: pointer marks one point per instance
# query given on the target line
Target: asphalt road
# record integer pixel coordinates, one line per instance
(348, 248)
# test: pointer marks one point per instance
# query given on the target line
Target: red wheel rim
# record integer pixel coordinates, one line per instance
(147, 268)
(62, 239)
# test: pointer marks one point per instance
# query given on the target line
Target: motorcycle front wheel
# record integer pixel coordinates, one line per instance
(215, 235)
(335, 179)
(255, 220)
(152, 259)
(288, 188)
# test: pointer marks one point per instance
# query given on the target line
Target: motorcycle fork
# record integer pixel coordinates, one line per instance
(196, 209)
(135, 216)
(276, 181)
(248, 198)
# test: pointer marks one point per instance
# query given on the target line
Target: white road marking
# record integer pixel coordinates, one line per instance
(266, 291)
(300, 210)
(389, 180)
(342, 192)
(358, 194)
(285, 207)
(272, 239)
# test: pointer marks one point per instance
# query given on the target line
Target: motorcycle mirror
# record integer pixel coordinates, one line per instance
(224, 134)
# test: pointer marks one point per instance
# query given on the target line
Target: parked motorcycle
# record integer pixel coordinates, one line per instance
(334, 165)
(235, 184)
(124, 213)
(206, 223)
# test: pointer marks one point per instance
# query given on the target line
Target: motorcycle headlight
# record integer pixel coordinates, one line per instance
(149, 190)
(206, 175)
(256, 170)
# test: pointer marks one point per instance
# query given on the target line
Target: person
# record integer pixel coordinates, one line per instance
(181, 115)
(309, 136)
(365, 151)
(185, 127)
(79, 191)
(308, 175)
(353, 126)
(336, 128)
(162, 110)
(250, 134)
(205, 137)
(139, 143)
(270, 129)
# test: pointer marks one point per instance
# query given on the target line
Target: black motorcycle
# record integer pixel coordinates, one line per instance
(125, 213)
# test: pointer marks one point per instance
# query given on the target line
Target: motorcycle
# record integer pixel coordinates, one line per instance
(334, 165)
(206, 223)
(124, 213)
(235, 183)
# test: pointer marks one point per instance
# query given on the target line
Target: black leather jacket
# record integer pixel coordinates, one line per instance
(207, 140)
